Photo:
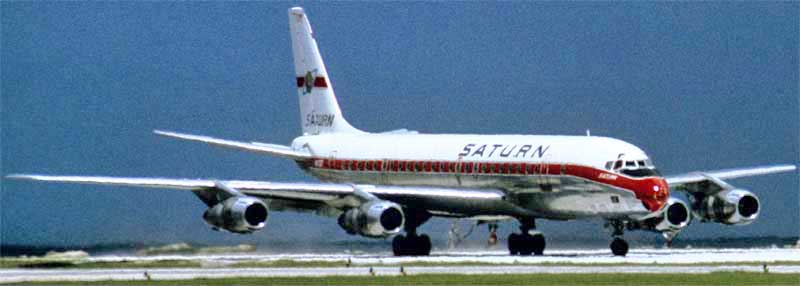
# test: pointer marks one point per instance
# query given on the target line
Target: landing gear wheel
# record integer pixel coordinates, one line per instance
(526, 244)
(411, 245)
(514, 243)
(537, 244)
(619, 247)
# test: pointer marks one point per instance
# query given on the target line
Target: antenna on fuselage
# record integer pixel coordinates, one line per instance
(588, 132)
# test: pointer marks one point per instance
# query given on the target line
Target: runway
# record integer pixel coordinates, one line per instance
(557, 261)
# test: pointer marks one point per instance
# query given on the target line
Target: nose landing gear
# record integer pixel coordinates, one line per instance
(526, 242)
(619, 247)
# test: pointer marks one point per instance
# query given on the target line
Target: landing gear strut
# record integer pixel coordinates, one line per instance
(412, 244)
(525, 243)
(619, 247)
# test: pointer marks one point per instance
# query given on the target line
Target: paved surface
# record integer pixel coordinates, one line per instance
(639, 261)
(12, 276)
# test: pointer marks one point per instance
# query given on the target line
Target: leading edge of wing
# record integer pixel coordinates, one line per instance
(164, 183)
(291, 190)
(728, 174)
(272, 149)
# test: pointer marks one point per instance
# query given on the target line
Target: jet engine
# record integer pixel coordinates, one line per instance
(734, 206)
(238, 214)
(373, 219)
(673, 217)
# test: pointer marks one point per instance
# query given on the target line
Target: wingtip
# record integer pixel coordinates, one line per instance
(19, 176)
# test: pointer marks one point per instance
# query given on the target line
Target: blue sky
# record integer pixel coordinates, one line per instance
(698, 86)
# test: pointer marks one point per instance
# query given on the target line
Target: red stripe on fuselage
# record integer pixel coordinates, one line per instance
(652, 191)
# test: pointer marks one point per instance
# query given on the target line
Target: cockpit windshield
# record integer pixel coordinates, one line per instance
(647, 172)
(633, 168)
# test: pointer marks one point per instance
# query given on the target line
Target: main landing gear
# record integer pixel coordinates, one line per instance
(525, 242)
(412, 244)
(619, 247)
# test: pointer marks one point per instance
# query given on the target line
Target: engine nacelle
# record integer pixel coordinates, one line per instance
(736, 206)
(373, 219)
(673, 217)
(238, 215)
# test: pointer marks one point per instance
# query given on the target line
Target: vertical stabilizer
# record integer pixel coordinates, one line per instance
(319, 111)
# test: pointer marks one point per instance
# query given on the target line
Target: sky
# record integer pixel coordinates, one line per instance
(698, 86)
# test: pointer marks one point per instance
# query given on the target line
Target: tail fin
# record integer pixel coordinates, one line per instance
(319, 111)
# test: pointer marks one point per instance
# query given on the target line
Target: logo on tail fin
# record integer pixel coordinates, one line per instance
(310, 81)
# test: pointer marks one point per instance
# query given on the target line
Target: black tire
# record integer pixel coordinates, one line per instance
(398, 245)
(424, 245)
(537, 244)
(525, 244)
(619, 247)
(513, 243)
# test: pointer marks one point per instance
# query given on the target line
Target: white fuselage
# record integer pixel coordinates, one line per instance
(521, 165)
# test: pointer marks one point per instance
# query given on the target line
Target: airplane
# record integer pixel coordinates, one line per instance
(378, 185)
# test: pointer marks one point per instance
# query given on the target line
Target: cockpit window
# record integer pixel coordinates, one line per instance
(609, 164)
(635, 168)
(643, 172)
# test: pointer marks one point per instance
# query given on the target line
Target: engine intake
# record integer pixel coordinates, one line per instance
(373, 219)
(733, 207)
(238, 215)
(673, 217)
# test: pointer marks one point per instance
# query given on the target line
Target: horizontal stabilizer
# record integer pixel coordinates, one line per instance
(271, 149)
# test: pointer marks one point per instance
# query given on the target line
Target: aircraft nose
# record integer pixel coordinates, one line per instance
(657, 194)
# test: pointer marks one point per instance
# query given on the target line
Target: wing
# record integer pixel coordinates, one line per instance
(711, 181)
(440, 201)
(264, 148)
